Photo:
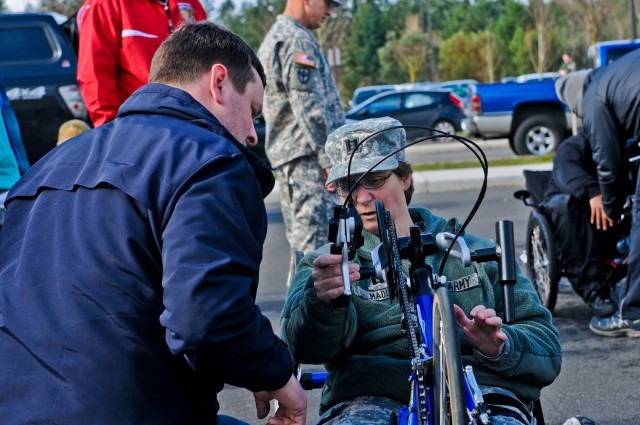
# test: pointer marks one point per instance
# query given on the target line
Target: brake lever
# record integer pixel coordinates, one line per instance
(345, 231)
(346, 226)
(460, 249)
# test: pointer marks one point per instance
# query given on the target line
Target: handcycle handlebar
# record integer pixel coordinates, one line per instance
(507, 265)
(503, 253)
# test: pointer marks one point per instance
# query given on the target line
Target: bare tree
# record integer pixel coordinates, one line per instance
(590, 13)
(490, 53)
(404, 55)
(410, 52)
(539, 56)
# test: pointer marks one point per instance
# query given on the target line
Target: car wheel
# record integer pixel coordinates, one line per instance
(446, 127)
(537, 135)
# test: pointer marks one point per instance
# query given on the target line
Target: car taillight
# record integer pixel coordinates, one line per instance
(73, 99)
(456, 101)
(476, 103)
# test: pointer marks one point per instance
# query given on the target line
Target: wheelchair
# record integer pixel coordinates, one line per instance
(543, 261)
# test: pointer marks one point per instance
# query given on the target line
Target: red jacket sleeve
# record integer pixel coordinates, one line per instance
(98, 57)
(112, 65)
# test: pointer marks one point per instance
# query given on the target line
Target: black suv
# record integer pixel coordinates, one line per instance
(38, 65)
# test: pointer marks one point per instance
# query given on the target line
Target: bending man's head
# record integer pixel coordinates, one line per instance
(219, 70)
(570, 89)
(193, 49)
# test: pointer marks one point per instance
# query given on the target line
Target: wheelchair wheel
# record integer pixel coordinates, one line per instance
(542, 264)
(449, 391)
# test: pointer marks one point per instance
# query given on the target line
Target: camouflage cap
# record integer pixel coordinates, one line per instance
(343, 140)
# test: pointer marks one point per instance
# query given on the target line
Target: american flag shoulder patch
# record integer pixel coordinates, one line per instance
(305, 59)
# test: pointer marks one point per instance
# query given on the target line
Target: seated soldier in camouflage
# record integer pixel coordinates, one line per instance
(362, 346)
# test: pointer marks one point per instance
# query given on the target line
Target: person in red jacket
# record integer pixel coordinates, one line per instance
(118, 39)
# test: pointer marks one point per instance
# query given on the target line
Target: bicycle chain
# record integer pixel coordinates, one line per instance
(410, 317)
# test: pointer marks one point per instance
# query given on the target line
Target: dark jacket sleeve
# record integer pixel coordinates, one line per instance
(606, 140)
(316, 331)
(574, 171)
(611, 116)
(211, 249)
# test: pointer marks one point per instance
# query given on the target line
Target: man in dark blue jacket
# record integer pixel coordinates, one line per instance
(610, 117)
(130, 256)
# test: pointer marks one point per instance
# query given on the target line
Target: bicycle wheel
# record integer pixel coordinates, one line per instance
(449, 392)
(542, 265)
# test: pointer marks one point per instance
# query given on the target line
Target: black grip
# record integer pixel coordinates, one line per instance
(482, 255)
(507, 265)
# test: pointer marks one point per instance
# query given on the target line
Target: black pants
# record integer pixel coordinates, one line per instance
(581, 248)
(630, 301)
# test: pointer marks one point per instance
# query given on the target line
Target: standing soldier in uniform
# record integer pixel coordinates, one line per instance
(301, 107)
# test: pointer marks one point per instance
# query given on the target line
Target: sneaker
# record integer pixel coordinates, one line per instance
(602, 306)
(615, 326)
(580, 420)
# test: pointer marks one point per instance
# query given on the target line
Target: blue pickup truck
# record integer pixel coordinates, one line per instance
(529, 114)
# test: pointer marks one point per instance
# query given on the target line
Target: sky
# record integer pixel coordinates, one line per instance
(18, 5)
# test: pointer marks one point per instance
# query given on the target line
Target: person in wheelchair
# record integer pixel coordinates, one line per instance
(584, 235)
(361, 343)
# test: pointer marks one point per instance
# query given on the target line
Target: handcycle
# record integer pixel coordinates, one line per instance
(544, 263)
(442, 391)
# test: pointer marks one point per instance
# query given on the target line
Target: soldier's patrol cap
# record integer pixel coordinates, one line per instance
(342, 141)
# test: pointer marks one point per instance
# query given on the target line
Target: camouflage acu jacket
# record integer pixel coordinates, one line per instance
(301, 104)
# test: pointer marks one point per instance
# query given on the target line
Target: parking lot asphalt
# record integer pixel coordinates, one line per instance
(455, 179)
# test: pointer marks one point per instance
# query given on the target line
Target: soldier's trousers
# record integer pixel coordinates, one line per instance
(377, 411)
(306, 204)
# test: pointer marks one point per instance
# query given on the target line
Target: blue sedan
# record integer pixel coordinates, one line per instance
(439, 109)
